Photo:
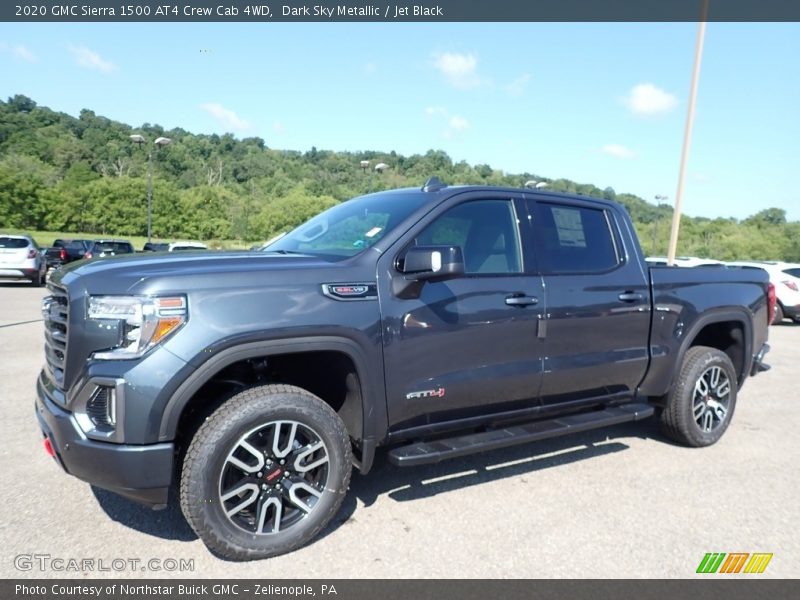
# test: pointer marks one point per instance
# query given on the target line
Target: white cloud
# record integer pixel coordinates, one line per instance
(453, 123)
(460, 70)
(23, 53)
(432, 111)
(517, 87)
(19, 51)
(225, 116)
(618, 151)
(457, 123)
(647, 99)
(91, 60)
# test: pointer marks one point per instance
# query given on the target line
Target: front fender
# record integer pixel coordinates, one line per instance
(366, 422)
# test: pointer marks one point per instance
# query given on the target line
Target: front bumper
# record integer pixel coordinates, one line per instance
(139, 472)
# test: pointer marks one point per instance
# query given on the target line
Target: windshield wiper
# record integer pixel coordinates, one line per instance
(281, 251)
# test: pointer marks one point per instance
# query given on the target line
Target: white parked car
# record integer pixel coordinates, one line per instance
(21, 258)
(176, 246)
(786, 279)
(683, 261)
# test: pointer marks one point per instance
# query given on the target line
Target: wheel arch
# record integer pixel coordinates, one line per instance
(710, 329)
(364, 422)
(729, 329)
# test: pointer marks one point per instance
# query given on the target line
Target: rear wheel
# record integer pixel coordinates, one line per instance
(701, 404)
(36, 281)
(266, 472)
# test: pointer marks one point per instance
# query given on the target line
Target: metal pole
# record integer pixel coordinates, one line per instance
(687, 134)
(149, 193)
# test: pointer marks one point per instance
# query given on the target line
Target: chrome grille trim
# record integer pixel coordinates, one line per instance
(55, 313)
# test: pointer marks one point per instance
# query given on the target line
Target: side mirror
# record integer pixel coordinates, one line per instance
(433, 263)
(426, 263)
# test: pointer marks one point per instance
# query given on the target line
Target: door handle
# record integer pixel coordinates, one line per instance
(521, 300)
(630, 297)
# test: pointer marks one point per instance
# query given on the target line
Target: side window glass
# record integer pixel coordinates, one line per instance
(486, 231)
(575, 239)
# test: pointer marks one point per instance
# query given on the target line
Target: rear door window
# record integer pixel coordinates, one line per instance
(575, 239)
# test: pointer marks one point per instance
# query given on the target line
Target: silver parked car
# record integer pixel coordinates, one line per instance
(21, 258)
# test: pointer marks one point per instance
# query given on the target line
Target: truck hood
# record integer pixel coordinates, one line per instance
(158, 271)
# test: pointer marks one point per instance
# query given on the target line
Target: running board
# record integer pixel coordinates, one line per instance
(435, 451)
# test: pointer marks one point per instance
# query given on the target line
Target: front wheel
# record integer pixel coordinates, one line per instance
(265, 472)
(701, 404)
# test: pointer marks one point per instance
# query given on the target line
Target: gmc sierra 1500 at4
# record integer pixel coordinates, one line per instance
(437, 322)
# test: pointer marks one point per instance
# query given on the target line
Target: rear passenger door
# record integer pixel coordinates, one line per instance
(597, 317)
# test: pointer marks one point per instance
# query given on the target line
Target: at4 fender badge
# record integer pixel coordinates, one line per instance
(437, 393)
(350, 291)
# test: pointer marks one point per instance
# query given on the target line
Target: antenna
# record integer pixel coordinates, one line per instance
(434, 184)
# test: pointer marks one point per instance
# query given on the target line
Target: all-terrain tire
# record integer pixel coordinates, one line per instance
(210, 456)
(679, 419)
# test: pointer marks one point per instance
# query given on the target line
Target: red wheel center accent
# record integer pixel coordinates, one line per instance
(274, 475)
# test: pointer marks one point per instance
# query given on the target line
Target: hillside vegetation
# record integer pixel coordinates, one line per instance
(62, 173)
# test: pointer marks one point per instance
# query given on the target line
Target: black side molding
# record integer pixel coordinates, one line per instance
(435, 451)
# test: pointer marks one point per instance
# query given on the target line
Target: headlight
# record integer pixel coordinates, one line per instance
(145, 321)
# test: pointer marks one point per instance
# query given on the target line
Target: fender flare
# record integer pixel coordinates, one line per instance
(371, 420)
(722, 315)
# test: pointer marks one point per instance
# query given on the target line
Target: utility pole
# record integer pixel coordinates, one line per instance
(687, 134)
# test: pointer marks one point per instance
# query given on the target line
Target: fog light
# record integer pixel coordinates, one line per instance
(102, 407)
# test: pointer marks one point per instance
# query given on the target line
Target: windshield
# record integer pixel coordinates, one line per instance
(350, 227)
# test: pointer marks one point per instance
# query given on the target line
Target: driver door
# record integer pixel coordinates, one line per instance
(466, 347)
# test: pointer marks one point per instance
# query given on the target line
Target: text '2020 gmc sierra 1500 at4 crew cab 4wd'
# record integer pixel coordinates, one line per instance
(438, 322)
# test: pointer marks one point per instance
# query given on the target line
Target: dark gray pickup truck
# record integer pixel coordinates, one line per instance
(436, 322)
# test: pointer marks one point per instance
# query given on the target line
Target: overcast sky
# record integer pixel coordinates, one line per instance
(596, 103)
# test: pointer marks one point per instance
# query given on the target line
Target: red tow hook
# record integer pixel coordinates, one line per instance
(48, 447)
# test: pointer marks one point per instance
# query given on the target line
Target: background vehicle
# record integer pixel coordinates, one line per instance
(66, 251)
(684, 261)
(786, 279)
(155, 247)
(53, 255)
(21, 258)
(436, 322)
(178, 246)
(101, 248)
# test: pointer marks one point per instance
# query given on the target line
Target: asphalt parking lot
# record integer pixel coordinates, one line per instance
(620, 502)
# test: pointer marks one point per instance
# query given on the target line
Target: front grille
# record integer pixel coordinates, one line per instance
(55, 311)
